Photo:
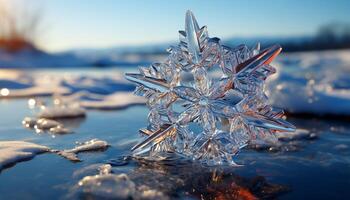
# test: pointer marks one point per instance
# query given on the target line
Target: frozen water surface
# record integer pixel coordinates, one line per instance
(312, 164)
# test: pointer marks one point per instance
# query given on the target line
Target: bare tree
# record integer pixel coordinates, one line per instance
(19, 26)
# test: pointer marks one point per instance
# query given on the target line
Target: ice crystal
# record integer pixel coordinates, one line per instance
(194, 113)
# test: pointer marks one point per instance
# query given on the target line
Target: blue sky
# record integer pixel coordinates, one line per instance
(98, 24)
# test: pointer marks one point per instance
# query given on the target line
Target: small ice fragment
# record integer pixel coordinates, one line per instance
(105, 169)
(12, 152)
(29, 122)
(46, 124)
(91, 145)
(62, 112)
(108, 186)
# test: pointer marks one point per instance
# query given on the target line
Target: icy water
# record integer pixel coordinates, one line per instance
(315, 167)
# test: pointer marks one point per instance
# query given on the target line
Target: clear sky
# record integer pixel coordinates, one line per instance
(107, 23)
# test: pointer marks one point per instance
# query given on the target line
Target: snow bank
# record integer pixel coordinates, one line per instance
(315, 83)
(27, 84)
(103, 92)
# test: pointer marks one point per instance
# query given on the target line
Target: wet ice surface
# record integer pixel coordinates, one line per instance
(313, 163)
(306, 167)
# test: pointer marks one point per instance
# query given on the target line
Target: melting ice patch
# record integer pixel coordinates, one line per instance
(106, 185)
(91, 145)
(12, 152)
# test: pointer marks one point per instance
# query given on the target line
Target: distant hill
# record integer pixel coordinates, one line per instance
(329, 37)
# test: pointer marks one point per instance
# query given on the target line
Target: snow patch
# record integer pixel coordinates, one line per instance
(12, 152)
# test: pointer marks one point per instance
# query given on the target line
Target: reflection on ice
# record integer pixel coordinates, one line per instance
(173, 179)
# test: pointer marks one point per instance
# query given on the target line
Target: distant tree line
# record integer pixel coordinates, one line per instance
(330, 36)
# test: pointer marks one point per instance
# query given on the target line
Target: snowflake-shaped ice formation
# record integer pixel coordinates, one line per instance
(197, 114)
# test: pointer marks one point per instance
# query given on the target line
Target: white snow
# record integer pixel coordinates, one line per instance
(313, 82)
(12, 152)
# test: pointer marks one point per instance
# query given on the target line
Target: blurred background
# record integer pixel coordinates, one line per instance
(56, 33)
(55, 47)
